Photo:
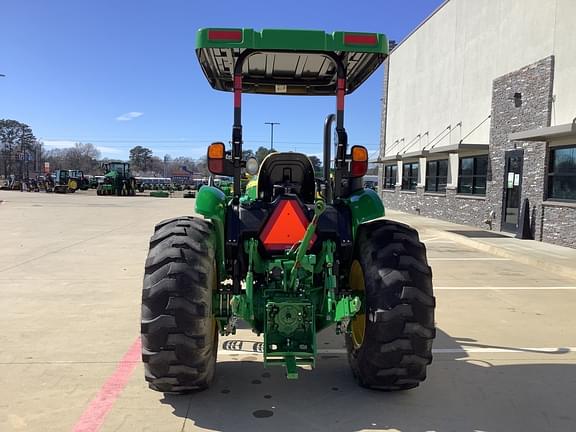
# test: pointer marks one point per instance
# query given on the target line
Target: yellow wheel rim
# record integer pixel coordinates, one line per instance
(358, 323)
(72, 184)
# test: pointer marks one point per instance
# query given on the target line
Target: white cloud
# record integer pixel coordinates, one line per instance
(50, 144)
(59, 143)
(109, 150)
(129, 116)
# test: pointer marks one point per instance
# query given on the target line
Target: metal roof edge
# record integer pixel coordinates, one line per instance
(454, 148)
(545, 133)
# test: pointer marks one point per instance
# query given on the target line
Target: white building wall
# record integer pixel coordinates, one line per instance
(564, 109)
(442, 74)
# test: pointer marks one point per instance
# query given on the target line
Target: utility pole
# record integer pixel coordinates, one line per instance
(22, 157)
(271, 133)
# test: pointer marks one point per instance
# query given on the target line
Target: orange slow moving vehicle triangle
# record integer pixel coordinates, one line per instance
(286, 227)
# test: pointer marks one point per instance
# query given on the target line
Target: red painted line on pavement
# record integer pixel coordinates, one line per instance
(93, 416)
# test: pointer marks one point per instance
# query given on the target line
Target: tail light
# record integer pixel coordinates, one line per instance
(216, 158)
(286, 226)
(359, 163)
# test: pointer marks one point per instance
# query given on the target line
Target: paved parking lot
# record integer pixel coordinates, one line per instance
(70, 280)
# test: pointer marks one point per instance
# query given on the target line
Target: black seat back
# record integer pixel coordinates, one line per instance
(286, 170)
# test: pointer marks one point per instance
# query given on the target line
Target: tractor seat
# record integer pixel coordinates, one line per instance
(281, 171)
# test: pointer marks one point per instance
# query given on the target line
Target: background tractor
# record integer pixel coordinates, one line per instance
(117, 180)
(297, 253)
(64, 183)
(225, 184)
(82, 182)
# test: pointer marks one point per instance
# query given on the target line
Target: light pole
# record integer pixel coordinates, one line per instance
(271, 133)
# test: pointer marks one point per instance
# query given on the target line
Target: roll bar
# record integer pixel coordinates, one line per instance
(342, 137)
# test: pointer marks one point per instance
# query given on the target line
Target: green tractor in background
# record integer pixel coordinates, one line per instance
(225, 184)
(296, 254)
(117, 180)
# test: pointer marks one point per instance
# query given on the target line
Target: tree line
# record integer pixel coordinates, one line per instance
(18, 148)
(23, 155)
(143, 162)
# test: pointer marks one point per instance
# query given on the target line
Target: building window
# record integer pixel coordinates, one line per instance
(409, 176)
(562, 174)
(390, 176)
(472, 175)
(437, 175)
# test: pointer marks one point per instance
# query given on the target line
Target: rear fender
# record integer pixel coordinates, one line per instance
(211, 203)
(365, 205)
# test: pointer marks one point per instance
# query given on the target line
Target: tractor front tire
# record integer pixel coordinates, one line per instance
(179, 332)
(390, 340)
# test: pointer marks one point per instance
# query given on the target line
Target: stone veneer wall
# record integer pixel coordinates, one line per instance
(450, 206)
(535, 83)
(558, 225)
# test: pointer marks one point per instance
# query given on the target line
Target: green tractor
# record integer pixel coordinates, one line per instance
(300, 253)
(117, 180)
(226, 185)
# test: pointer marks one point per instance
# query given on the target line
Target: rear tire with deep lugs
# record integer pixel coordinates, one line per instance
(179, 334)
(390, 342)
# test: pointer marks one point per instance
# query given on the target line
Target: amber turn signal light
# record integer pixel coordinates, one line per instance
(216, 151)
(359, 164)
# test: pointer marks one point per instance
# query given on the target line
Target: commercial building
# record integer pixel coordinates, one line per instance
(479, 118)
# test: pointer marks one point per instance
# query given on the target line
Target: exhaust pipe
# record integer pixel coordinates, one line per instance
(327, 154)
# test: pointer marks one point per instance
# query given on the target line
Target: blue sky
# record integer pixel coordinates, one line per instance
(124, 73)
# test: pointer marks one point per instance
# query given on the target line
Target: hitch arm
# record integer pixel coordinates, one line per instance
(319, 208)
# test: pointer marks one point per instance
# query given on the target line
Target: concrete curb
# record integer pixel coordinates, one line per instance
(559, 269)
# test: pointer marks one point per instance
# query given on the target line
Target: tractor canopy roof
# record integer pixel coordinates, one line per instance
(288, 62)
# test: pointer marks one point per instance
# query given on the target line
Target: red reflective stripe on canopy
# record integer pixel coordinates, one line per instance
(225, 35)
(360, 39)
